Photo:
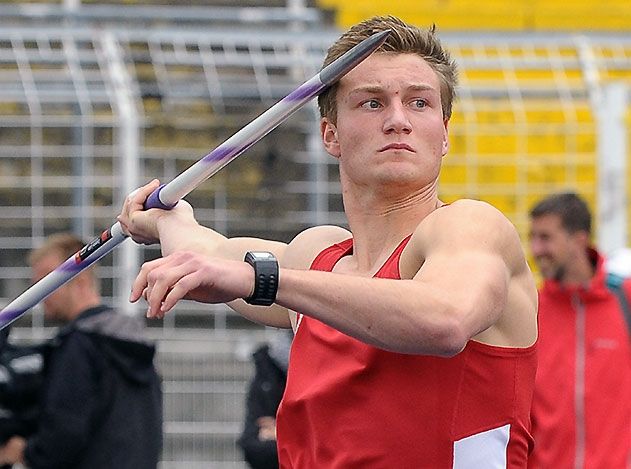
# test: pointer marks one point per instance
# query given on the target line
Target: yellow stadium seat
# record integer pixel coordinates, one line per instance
(454, 174)
(492, 14)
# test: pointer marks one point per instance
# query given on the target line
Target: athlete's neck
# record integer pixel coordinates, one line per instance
(379, 227)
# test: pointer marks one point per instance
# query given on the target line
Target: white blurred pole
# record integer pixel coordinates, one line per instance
(296, 9)
(296, 6)
(126, 259)
(612, 168)
(71, 5)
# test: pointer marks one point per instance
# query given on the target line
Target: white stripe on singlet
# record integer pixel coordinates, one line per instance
(483, 450)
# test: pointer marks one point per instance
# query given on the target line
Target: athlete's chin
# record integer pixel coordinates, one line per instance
(398, 156)
(402, 181)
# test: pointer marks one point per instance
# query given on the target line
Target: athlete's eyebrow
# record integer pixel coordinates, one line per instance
(420, 88)
(376, 89)
(367, 89)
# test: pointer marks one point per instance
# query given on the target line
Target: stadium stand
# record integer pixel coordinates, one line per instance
(494, 15)
(100, 98)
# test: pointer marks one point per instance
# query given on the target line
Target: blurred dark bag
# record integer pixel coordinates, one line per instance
(21, 380)
(615, 284)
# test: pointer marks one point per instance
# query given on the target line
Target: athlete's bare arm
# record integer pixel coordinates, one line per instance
(471, 249)
(180, 235)
(465, 277)
(192, 247)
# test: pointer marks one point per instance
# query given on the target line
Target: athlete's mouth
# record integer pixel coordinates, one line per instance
(397, 146)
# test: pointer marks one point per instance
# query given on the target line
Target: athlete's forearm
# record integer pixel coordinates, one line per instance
(406, 316)
(187, 235)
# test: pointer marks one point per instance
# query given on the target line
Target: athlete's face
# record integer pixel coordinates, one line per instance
(554, 249)
(390, 123)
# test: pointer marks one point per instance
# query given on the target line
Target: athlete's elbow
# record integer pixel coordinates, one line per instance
(441, 340)
(451, 342)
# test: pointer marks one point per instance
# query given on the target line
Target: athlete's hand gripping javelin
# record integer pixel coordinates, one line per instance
(198, 264)
(144, 223)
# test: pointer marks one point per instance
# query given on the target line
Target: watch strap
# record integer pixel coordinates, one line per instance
(265, 277)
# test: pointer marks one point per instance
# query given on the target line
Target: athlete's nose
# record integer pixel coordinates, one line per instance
(396, 120)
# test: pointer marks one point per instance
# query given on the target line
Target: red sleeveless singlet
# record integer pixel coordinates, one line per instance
(349, 405)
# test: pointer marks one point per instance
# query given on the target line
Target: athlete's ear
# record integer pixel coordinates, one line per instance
(328, 131)
(445, 148)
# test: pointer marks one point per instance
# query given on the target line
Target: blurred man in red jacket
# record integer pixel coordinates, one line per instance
(582, 404)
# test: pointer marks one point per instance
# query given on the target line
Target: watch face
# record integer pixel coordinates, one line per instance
(263, 255)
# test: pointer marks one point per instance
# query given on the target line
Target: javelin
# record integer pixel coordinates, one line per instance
(168, 195)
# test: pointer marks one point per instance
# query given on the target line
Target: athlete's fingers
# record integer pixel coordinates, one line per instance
(180, 289)
(139, 196)
(162, 279)
(140, 282)
(136, 199)
(134, 202)
(155, 291)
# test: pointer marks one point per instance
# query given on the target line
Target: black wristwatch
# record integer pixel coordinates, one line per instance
(265, 277)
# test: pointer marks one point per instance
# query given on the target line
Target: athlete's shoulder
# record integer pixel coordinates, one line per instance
(465, 224)
(465, 208)
(304, 248)
(466, 216)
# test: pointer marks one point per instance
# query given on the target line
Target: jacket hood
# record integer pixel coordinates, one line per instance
(122, 340)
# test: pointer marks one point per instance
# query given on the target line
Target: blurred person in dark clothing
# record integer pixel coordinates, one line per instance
(100, 402)
(21, 377)
(258, 439)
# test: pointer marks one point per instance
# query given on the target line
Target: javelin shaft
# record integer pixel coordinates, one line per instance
(88, 255)
(168, 195)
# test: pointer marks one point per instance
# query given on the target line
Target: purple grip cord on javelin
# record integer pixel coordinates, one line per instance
(153, 201)
(304, 92)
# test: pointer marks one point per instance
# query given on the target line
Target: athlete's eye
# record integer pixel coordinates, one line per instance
(371, 104)
(419, 103)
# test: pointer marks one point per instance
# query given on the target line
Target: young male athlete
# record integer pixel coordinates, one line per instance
(415, 329)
